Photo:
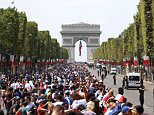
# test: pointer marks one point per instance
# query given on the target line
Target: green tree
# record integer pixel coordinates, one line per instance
(10, 29)
(145, 10)
(22, 32)
(31, 36)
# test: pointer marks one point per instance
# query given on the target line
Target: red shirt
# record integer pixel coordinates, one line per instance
(106, 98)
(39, 111)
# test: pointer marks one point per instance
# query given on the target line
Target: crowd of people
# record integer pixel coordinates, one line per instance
(62, 89)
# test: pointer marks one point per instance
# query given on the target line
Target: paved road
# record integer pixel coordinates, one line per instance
(132, 95)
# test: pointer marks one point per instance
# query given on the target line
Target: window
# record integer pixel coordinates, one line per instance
(134, 78)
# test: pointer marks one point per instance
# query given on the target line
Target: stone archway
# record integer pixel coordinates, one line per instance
(71, 33)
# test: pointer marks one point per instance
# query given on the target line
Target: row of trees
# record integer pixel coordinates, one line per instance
(21, 37)
(135, 41)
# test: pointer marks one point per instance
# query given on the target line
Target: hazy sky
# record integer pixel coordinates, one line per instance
(112, 15)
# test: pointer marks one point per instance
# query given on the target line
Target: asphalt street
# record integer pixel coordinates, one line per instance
(132, 95)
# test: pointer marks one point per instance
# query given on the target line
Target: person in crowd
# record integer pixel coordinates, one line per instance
(103, 76)
(68, 98)
(8, 100)
(120, 96)
(90, 108)
(126, 110)
(58, 110)
(98, 72)
(59, 100)
(124, 82)
(137, 110)
(50, 103)
(92, 88)
(41, 110)
(99, 89)
(108, 95)
(111, 104)
(22, 110)
(78, 100)
(141, 94)
(16, 106)
(32, 104)
(127, 81)
(114, 79)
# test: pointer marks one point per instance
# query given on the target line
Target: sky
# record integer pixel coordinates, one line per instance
(112, 15)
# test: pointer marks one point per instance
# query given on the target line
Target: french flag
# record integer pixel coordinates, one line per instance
(28, 61)
(124, 62)
(11, 61)
(135, 62)
(146, 60)
(21, 61)
(80, 47)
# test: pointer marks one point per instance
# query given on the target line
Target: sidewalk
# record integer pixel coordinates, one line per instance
(148, 82)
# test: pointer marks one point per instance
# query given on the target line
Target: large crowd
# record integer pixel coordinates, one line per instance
(62, 89)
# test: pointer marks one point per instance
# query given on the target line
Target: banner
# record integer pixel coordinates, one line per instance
(21, 61)
(43, 61)
(46, 63)
(135, 62)
(145, 60)
(3, 61)
(129, 62)
(49, 62)
(112, 63)
(11, 61)
(124, 62)
(38, 61)
(80, 47)
(28, 61)
(118, 63)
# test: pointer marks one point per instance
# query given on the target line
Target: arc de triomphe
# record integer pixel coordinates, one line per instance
(71, 33)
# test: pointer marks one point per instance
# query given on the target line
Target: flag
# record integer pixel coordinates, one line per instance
(3, 61)
(118, 63)
(145, 60)
(38, 61)
(124, 62)
(43, 61)
(11, 61)
(80, 47)
(28, 61)
(21, 61)
(46, 63)
(112, 62)
(49, 61)
(135, 61)
(129, 62)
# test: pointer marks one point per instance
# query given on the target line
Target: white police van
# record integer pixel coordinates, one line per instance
(133, 80)
(113, 70)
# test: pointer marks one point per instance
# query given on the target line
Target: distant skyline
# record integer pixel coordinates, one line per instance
(112, 15)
